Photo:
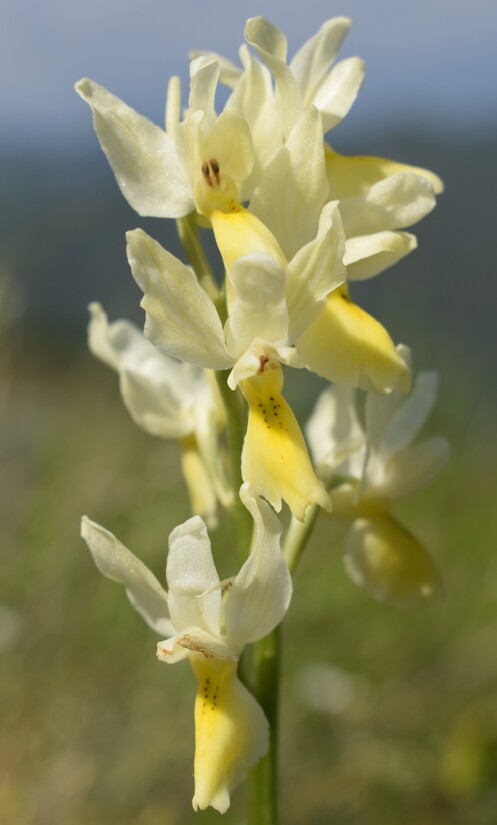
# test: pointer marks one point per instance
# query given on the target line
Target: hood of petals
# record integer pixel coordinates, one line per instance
(258, 308)
(194, 593)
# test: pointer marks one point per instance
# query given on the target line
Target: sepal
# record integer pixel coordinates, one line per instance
(143, 157)
(116, 562)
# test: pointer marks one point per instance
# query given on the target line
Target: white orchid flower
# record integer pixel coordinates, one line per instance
(374, 206)
(209, 621)
(162, 173)
(373, 467)
(168, 399)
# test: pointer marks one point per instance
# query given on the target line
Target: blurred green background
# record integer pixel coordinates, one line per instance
(387, 716)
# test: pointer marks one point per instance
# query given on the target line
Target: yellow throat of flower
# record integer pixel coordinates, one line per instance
(237, 231)
(230, 732)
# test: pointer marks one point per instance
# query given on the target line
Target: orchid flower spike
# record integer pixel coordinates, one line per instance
(182, 321)
(209, 622)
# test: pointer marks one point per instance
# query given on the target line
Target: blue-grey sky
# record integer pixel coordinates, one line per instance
(431, 58)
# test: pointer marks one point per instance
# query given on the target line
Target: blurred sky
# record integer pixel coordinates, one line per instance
(433, 59)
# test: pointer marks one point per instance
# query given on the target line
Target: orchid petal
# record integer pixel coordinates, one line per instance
(270, 43)
(379, 409)
(333, 431)
(204, 76)
(181, 318)
(367, 255)
(240, 233)
(350, 175)
(229, 72)
(159, 392)
(253, 99)
(315, 271)
(142, 156)
(116, 562)
(310, 63)
(230, 142)
(259, 597)
(259, 308)
(410, 415)
(173, 105)
(194, 593)
(293, 189)
(338, 91)
(389, 562)
(398, 201)
(413, 467)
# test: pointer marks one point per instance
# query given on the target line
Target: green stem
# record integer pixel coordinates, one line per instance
(297, 536)
(263, 777)
(188, 235)
(236, 425)
(262, 789)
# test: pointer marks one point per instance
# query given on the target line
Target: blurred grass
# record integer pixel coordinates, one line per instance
(402, 728)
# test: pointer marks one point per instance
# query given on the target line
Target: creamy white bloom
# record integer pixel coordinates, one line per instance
(160, 172)
(209, 621)
(308, 79)
(375, 208)
(157, 170)
(373, 466)
(168, 399)
(311, 78)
